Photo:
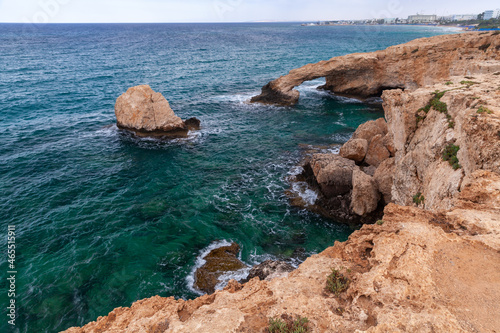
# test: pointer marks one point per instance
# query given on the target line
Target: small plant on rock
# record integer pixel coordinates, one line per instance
(418, 198)
(468, 83)
(450, 155)
(336, 282)
(483, 109)
(449, 83)
(288, 324)
(380, 222)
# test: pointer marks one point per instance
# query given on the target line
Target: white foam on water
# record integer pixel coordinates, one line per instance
(308, 195)
(235, 275)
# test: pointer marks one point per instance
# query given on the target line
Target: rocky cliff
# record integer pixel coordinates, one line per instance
(431, 264)
(408, 66)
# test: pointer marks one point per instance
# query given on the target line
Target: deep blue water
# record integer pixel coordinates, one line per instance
(103, 219)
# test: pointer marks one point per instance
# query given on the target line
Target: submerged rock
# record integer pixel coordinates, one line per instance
(147, 113)
(218, 261)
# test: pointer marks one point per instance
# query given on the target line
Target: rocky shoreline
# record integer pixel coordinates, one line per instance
(431, 263)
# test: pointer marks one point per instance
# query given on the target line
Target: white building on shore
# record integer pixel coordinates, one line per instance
(488, 14)
(464, 17)
(422, 18)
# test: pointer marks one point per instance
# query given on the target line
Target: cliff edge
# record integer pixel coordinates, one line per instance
(431, 264)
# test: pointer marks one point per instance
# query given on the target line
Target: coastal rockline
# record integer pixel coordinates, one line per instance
(431, 169)
(407, 66)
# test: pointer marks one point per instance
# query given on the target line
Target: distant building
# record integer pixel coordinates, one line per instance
(465, 17)
(496, 13)
(445, 18)
(488, 14)
(390, 20)
(422, 18)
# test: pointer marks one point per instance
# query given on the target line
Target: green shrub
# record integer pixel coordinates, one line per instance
(287, 324)
(336, 282)
(483, 109)
(468, 83)
(450, 155)
(418, 198)
(436, 104)
(449, 83)
(380, 222)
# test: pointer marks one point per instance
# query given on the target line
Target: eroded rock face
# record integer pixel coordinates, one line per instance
(419, 165)
(147, 113)
(269, 270)
(368, 131)
(354, 149)
(218, 261)
(383, 177)
(377, 152)
(365, 195)
(415, 64)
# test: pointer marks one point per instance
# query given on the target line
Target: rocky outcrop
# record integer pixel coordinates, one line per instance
(219, 261)
(467, 120)
(269, 269)
(332, 173)
(148, 113)
(421, 62)
(355, 150)
(365, 194)
(384, 178)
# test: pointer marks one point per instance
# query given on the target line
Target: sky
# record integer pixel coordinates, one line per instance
(115, 11)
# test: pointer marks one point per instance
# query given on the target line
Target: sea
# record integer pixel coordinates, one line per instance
(102, 218)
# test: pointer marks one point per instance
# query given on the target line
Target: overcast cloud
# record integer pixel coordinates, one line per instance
(78, 11)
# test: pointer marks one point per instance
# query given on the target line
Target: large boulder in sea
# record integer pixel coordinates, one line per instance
(219, 261)
(148, 113)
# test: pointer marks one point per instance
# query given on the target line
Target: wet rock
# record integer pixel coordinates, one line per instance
(193, 124)
(365, 195)
(218, 261)
(354, 149)
(377, 152)
(269, 270)
(384, 176)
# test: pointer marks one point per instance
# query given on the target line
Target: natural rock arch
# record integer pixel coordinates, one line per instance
(418, 63)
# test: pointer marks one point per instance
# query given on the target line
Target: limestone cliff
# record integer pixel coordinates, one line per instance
(415, 64)
(431, 265)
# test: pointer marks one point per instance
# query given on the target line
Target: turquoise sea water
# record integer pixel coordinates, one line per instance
(104, 219)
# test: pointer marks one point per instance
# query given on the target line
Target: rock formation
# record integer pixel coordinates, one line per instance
(148, 113)
(269, 269)
(431, 264)
(415, 64)
(217, 262)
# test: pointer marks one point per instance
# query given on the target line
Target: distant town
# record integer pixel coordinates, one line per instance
(487, 20)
